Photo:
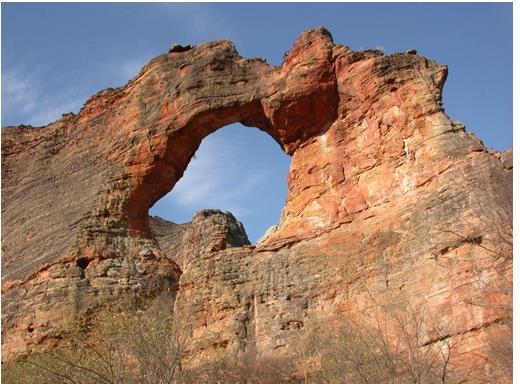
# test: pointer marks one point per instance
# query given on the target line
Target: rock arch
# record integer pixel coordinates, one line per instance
(213, 87)
(125, 149)
(379, 176)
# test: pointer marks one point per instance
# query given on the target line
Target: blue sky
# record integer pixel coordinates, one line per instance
(54, 56)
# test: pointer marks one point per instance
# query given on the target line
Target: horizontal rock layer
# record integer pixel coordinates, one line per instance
(389, 201)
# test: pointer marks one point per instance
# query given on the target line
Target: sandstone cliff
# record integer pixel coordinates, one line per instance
(389, 201)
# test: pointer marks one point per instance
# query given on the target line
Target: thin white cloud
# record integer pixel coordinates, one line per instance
(216, 179)
(24, 101)
(19, 90)
(42, 117)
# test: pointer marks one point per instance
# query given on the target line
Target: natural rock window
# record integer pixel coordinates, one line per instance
(237, 169)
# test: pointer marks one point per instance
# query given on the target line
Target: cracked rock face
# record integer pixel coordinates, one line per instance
(387, 198)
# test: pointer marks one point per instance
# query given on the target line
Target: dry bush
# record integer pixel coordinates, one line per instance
(495, 294)
(139, 348)
(244, 368)
(500, 354)
(121, 348)
(394, 350)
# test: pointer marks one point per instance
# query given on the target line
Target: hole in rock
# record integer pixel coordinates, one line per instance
(82, 262)
(237, 169)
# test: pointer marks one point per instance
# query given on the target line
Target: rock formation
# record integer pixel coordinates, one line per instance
(389, 201)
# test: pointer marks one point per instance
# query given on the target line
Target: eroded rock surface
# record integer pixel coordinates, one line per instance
(210, 231)
(389, 201)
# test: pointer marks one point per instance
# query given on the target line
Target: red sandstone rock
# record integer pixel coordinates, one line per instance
(388, 201)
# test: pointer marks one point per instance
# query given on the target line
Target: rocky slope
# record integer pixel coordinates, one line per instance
(391, 205)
